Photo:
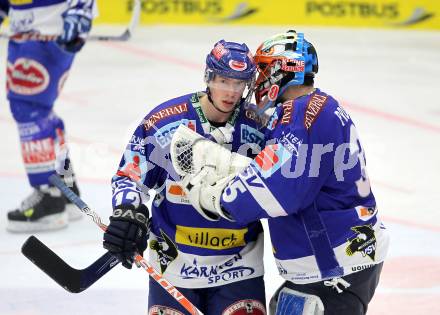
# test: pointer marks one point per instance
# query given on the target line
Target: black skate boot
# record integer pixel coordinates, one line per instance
(43, 210)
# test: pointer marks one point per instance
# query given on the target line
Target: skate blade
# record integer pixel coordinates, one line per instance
(47, 223)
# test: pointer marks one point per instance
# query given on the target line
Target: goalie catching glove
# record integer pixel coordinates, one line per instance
(207, 168)
(127, 233)
(190, 152)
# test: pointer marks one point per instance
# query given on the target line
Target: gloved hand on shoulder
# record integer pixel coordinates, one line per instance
(127, 233)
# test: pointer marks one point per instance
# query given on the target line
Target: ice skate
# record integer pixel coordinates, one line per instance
(43, 210)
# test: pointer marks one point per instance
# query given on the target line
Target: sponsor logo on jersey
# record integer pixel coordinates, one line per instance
(28, 77)
(200, 114)
(361, 267)
(164, 113)
(163, 310)
(210, 238)
(287, 112)
(244, 307)
(237, 65)
(166, 250)
(267, 158)
(20, 2)
(271, 158)
(228, 271)
(366, 213)
(291, 143)
(313, 109)
(176, 194)
(163, 135)
(232, 274)
(131, 168)
(363, 242)
(137, 144)
(251, 135)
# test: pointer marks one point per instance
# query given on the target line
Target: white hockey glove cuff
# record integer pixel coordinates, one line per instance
(205, 194)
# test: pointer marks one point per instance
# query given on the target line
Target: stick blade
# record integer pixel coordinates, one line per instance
(51, 264)
(71, 279)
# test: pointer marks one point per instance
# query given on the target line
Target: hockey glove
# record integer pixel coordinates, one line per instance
(190, 152)
(205, 194)
(75, 29)
(127, 233)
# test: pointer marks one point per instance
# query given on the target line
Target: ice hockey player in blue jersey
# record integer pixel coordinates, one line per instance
(310, 182)
(36, 72)
(216, 264)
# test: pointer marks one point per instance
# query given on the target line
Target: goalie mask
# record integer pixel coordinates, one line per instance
(234, 63)
(283, 60)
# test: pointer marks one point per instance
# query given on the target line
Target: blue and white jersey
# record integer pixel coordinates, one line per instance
(311, 182)
(189, 250)
(43, 16)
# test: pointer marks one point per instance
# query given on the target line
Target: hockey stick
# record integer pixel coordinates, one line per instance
(126, 35)
(71, 279)
(140, 261)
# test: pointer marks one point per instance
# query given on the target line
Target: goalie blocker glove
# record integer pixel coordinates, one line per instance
(127, 233)
(205, 196)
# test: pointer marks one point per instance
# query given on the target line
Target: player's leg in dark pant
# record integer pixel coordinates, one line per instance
(161, 302)
(352, 301)
(242, 297)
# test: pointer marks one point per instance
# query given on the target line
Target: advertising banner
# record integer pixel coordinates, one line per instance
(419, 14)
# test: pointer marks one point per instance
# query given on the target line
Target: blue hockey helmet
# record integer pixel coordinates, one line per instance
(283, 60)
(231, 60)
